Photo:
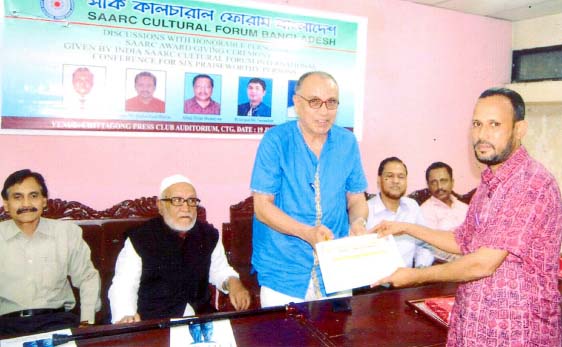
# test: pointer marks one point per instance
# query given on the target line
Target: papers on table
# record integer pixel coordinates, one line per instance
(357, 261)
(37, 340)
(212, 334)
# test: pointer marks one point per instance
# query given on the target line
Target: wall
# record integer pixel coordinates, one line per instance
(543, 140)
(543, 99)
(425, 68)
(537, 32)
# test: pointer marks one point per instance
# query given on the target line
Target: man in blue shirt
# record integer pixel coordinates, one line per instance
(308, 186)
(255, 107)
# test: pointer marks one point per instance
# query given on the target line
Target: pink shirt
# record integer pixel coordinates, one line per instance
(191, 106)
(438, 215)
(517, 209)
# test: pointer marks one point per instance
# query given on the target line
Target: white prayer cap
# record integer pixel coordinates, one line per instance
(171, 180)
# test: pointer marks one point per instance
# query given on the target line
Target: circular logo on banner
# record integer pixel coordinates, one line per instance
(57, 9)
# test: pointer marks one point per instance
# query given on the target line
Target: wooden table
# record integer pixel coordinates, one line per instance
(376, 319)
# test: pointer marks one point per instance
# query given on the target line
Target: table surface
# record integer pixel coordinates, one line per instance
(382, 318)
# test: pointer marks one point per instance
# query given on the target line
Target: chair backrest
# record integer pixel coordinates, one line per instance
(422, 195)
(144, 207)
(62, 209)
(237, 240)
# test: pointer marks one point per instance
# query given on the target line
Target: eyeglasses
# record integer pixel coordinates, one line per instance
(390, 176)
(177, 201)
(331, 104)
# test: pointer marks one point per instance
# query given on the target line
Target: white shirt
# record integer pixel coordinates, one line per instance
(123, 293)
(413, 251)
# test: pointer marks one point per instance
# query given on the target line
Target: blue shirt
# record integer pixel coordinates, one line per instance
(285, 167)
(262, 110)
(413, 251)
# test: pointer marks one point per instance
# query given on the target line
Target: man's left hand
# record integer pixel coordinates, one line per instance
(238, 294)
(358, 227)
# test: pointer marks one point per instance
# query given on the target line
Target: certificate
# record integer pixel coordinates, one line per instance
(357, 261)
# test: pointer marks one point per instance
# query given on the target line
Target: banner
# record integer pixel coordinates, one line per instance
(170, 67)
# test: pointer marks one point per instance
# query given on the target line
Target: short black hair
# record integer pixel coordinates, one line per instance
(389, 160)
(19, 177)
(438, 165)
(203, 76)
(258, 81)
(515, 98)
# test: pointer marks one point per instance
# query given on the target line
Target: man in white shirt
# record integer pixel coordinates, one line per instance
(392, 205)
(442, 211)
(166, 264)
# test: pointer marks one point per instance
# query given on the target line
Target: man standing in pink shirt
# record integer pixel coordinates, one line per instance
(509, 241)
(442, 211)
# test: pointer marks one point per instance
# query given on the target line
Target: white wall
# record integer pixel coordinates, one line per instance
(544, 99)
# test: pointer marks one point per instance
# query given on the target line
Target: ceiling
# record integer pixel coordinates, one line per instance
(511, 10)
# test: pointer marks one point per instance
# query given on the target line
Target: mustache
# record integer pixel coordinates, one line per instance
(26, 209)
(482, 142)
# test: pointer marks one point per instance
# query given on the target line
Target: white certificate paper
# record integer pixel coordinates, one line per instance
(357, 261)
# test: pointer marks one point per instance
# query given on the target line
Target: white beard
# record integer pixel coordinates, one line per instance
(178, 228)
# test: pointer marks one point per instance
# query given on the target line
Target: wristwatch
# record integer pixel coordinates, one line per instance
(363, 221)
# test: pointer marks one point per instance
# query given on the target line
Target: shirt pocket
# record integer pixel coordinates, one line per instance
(53, 273)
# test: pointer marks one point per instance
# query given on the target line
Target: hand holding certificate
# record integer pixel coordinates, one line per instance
(357, 261)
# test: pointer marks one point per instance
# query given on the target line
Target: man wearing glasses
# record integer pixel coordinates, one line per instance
(308, 186)
(391, 205)
(166, 264)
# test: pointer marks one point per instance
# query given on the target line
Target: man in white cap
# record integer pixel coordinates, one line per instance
(166, 264)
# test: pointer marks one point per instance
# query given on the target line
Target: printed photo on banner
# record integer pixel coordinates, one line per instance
(145, 91)
(83, 87)
(291, 84)
(254, 96)
(202, 94)
(203, 68)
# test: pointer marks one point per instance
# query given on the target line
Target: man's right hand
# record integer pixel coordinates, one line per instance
(318, 234)
(385, 228)
(129, 319)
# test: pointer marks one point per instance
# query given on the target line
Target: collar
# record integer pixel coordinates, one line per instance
(328, 135)
(505, 171)
(379, 205)
(433, 200)
(181, 234)
(12, 230)
(255, 107)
